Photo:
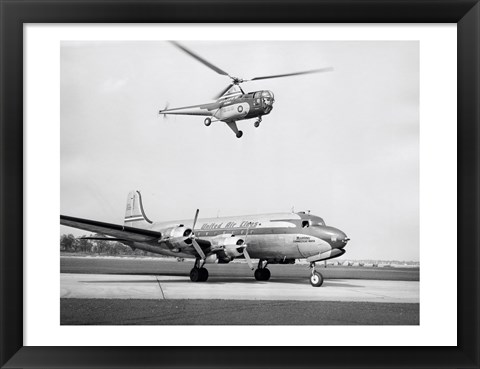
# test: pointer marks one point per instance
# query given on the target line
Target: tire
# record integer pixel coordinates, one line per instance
(207, 121)
(256, 124)
(195, 275)
(203, 275)
(316, 279)
(262, 274)
(239, 134)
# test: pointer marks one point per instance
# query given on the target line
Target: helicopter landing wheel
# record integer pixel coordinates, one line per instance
(239, 134)
(207, 121)
(257, 124)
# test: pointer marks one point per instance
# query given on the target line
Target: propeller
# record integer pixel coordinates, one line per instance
(165, 108)
(238, 81)
(245, 252)
(191, 236)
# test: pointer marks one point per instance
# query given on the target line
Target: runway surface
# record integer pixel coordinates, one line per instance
(154, 291)
(223, 288)
(170, 267)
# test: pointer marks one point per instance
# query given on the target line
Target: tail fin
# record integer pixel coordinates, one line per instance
(134, 214)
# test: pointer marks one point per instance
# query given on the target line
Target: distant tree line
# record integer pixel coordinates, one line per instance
(69, 243)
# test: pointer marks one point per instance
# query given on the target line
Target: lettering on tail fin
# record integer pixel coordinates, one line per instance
(134, 213)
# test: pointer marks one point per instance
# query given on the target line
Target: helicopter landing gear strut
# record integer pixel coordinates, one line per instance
(316, 278)
(257, 122)
(234, 128)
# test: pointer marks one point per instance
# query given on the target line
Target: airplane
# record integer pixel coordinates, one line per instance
(271, 238)
(233, 104)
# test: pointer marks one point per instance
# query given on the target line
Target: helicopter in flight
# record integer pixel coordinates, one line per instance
(232, 104)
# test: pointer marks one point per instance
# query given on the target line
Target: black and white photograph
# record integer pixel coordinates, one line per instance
(239, 182)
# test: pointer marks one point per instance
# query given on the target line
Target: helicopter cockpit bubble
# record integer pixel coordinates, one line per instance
(267, 97)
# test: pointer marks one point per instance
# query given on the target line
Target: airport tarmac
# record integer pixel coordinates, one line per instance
(155, 291)
(118, 286)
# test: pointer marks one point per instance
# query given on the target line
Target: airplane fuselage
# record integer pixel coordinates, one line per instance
(279, 237)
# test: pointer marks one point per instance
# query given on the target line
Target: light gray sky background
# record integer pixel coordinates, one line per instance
(343, 144)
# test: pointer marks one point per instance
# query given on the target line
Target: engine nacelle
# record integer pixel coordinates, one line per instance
(176, 232)
(211, 259)
(232, 245)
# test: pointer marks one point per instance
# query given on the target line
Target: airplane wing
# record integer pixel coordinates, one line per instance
(114, 230)
(203, 110)
(127, 234)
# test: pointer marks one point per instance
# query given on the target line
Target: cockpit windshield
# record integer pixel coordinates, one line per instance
(316, 221)
(267, 97)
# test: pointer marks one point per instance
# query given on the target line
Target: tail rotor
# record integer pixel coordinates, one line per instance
(167, 104)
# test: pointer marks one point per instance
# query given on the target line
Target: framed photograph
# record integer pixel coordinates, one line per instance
(301, 184)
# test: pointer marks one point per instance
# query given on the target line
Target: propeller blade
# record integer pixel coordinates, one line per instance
(165, 108)
(247, 257)
(246, 234)
(198, 249)
(200, 59)
(195, 219)
(224, 91)
(294, 74)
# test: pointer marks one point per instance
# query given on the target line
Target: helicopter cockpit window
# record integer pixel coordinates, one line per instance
(267, 97)
(305, 224)
(256, 98)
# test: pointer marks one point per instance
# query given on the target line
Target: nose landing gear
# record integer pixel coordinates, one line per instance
(207, 121)
(257, 122)
(316, 278)
(262, 273)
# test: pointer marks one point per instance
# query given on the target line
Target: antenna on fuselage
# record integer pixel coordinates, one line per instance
(293, 209)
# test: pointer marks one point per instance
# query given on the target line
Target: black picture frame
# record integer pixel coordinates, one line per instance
(14, 14)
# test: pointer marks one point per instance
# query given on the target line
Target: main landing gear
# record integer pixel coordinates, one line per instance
(316, 279)
(262, 273)
(198, 272)
(257, 122)
(207, 121)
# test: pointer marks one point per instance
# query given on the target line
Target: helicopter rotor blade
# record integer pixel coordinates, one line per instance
(328, 69)
(200, 59)
(224, 91)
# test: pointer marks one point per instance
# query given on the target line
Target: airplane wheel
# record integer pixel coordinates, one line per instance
(316, 279)
(195, 275)
(203, 275)
(207, 121)
(262, 274)
(239, 134)
(256, 124)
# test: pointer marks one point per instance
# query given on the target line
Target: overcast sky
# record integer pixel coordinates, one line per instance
(343, 144)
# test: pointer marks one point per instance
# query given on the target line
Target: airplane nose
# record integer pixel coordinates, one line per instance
(338, 239)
